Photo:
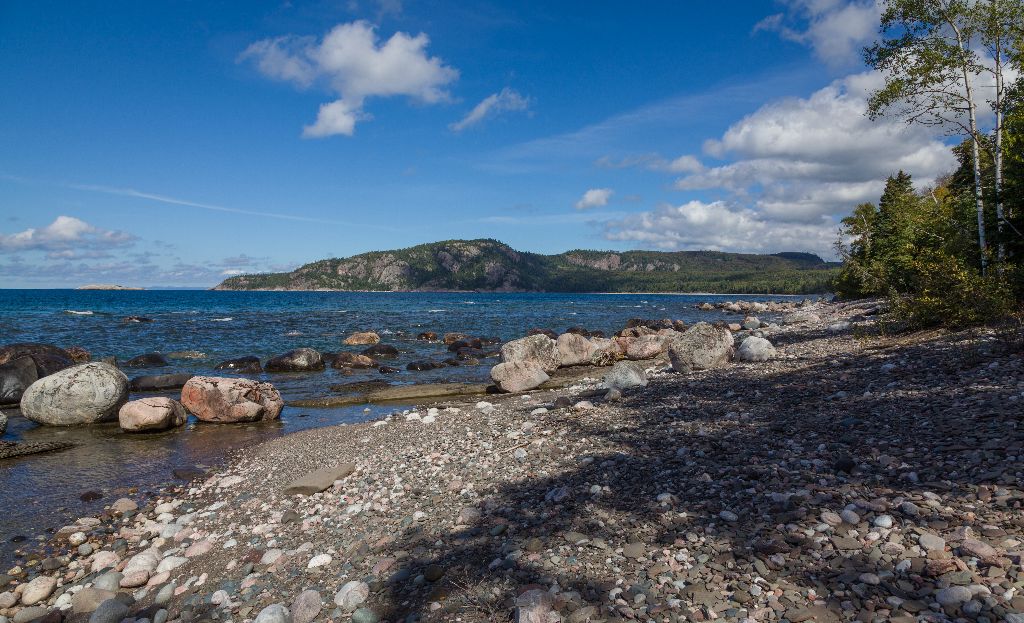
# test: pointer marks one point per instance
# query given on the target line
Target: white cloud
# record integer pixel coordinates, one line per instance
(836, 30)
(66, 237)
(717, 226)
(507, 100)
(655, 162)
(352, 62)
(594, 198)
(799, 159)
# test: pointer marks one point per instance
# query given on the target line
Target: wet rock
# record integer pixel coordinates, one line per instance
(84, 394)
(387, 370)
(701, 347)
(427, 336)
(218, 399)
(151, 414)
(381, 351)
(362, 338)
(242, 365)
(13, 351)
(298, 360)
(158, 382)
(148, 360)
(352, 360)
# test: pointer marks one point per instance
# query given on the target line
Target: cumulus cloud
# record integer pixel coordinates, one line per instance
(594, 198)
(836, 30)
(354, 64)
(66, 236)
(718, 226)
(799, 159)
(506, 100)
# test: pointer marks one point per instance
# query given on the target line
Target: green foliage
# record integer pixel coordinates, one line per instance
(490, 265)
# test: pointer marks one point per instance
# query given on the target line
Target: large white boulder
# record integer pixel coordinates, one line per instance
(82, 394)
(701, 347)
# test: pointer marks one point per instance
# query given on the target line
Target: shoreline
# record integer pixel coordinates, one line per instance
(480, 511)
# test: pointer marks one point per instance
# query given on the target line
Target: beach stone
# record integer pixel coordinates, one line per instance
(800, 317)
(518, 376)
(625, 375)
(223, 400)
(8, 599)
(365, 615)
(38, 590)
(243, 365)
(701, 347)
(539, 350)
(352, 594)
(83, 394)
(306, 606)
(362, 338)
(573, 350)
(646, 347)
(320, 560)
(90, 598)
(158, 382)
(29, 614)
(298, 360)
(170, 563)
(755, 349)
(953, 595)
(109, 581)
(124, 505)
(148, 360)
(535, 606)
(110, 611)
(315, 482)
(274, 613)
(104, 559)
(164, 595)
(151, 414)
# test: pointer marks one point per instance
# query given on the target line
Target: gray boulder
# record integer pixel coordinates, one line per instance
(701, 347)
(537, 349)
(110, 611)
(518, 376)
(624, 375)
(800, 317)
(755, 349)
(298, 360)
(84, 394)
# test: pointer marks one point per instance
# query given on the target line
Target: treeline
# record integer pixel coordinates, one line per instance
(952, 254)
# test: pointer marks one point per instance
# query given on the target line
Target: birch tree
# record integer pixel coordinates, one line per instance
(929, 59)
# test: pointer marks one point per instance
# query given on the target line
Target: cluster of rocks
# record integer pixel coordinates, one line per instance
(754, 307)
(871, 479)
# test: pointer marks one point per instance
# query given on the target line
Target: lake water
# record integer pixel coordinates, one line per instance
(43, 492)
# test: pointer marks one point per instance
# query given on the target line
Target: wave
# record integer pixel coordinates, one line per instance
(293, 333)
(436, 311)
(226, 319)
(75, 312)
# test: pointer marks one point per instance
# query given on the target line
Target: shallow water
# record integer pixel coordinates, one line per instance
(42, 492)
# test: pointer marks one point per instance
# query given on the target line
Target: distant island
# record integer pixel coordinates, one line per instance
(492, 266)
(105, 286)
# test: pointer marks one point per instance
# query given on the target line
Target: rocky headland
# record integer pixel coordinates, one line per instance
(817, 468)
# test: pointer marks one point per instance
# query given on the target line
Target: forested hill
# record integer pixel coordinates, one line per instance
(489, 265)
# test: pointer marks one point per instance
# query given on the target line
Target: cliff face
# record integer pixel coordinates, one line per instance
(489, 265)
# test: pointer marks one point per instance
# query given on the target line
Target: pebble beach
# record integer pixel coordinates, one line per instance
(859, 474)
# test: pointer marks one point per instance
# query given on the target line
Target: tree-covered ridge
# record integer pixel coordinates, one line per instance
(489, 265)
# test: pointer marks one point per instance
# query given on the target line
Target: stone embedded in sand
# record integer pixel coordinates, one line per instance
(84, 394)
(315, 482)
(701, 347)
(518, 376)
(224, 400)
(151, 414)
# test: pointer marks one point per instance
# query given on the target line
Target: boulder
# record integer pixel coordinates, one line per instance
(751, 323)
(83, 394)
(625, 375)
(224, 400)
(427, 336)
(151, 414)
(158, 382)
(362, 338)
(148, 360)
(243, 365)
(454, 337)
(538, 349)
(800, 317)
(298, 360)
(11, 351)
(646, 347)
(755, 349)
(352, 360)
(573, 349)
(701, 347)
(383, 351)
(15, 377)
(518, 376)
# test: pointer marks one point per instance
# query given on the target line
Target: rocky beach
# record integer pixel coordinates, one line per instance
(823, 468)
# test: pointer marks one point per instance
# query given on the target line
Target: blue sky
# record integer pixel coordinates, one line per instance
(175, 143)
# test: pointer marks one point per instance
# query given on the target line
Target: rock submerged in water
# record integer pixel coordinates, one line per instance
(518, 376)
(384, 351)
(84, 394)
(151, 414)
(243, 365)
(158, 382)
(147, 360)
(226, 400)
(298, 360)
(352, 360)
(701, 347)
(362, 338)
